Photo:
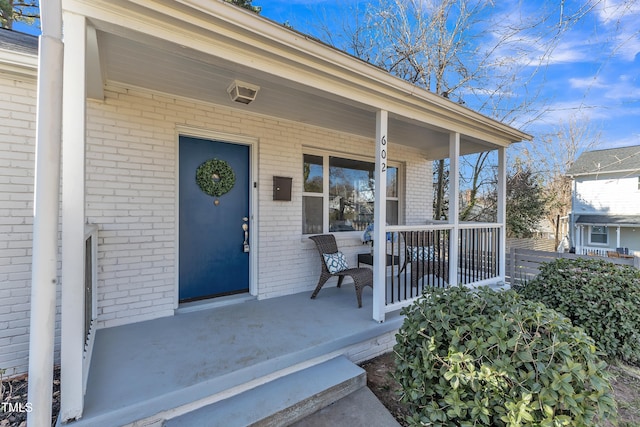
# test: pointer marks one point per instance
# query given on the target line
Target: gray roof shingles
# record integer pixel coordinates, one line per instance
(18, 42)
(607, 161)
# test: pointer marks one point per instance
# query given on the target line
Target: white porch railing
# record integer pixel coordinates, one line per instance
(419, 257)
(90, 296)
(593, 250)
(603, 251)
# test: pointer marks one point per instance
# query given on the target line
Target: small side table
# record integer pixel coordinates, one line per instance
(368, 259)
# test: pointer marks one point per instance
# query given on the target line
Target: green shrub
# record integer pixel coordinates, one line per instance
(601, 297)
(468, 358)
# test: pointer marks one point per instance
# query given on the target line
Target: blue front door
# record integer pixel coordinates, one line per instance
(214, 258)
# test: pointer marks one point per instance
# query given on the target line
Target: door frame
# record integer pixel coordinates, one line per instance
(252, 143)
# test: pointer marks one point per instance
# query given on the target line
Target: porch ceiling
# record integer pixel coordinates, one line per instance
(187, 73)
(204, 69)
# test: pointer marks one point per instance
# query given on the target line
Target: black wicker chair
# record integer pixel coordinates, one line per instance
(326, 244)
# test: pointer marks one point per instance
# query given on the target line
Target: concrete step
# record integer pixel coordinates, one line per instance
(359, 409)
(282, 401)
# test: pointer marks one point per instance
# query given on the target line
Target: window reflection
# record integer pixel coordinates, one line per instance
(351, 187)
(312, 171)
(349, 198)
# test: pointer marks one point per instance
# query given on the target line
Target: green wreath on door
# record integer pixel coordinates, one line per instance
(215, 177)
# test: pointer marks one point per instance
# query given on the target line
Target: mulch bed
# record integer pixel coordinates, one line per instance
(14, 395)
(625, 382)
(382, 384)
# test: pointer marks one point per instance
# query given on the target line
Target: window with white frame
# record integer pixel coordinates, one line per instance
(338, 194)
(599, 235)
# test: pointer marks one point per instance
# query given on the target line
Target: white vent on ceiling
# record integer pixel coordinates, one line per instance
(242, 92)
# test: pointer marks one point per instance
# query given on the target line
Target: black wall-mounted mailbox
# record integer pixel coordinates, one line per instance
(282, 188)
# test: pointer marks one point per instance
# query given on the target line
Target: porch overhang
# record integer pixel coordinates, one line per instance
(609, 220)
(18, 63)
(18, 54)
(193, 49)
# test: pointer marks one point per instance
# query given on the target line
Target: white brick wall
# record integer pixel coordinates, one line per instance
(131, 166)
(131, 173)
(131, 196)
(419, 189)
(17, 162)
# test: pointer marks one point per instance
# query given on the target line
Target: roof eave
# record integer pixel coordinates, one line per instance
(246, 38)
(18, 63)
(305, 46)
(581, 174)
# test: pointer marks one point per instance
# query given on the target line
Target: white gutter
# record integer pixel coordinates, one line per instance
(44, 269)
(603, 172)
(18, 63)
(608, 224)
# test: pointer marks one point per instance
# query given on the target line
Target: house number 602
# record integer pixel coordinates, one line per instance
(383, 153)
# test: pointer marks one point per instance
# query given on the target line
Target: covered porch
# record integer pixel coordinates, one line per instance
(140, 75)
(615, 236)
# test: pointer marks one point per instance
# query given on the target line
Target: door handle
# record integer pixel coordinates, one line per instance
(245, 228)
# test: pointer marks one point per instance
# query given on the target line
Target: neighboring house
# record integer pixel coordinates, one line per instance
(156, 89)
(605, 206)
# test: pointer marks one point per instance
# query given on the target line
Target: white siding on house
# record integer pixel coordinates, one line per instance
(630, 238)
(610, 196)
(17, 162)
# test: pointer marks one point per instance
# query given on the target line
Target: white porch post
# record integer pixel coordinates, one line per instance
(380, 217)
(573, 227)
(618, 237)
(454, 205)
(44, 269)
(73, 216)
(502, 211)
(580, 239)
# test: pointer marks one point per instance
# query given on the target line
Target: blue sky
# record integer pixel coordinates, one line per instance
(593, 75)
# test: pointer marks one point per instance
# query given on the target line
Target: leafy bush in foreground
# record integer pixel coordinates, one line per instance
(466, 358)
(599, 296)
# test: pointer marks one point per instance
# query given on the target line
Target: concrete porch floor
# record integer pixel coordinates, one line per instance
(150, 367)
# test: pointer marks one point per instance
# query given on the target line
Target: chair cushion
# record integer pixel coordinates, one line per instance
(421, 253)
(336, 262)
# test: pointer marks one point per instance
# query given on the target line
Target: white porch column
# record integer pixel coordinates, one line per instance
(502, 211)
(73, 217)
(44, 269)
(573, 227)
(380, 217)
(454, 205)
(618, 237)
(580, 239)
